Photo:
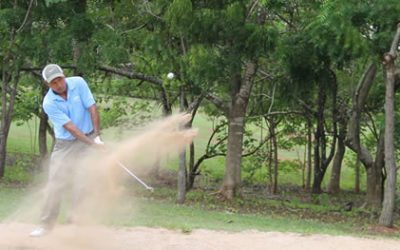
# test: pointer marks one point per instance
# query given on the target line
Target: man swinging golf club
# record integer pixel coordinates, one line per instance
(72, 110)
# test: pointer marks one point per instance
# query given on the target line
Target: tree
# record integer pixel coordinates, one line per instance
(334, 184)
(239, 55)
(14, 18)
(360, 31)
(387, 215)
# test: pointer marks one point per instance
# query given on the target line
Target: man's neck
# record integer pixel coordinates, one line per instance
(63, 95)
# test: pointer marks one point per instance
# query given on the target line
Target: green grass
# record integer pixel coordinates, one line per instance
(10, 199)
(23, 138)
(200, 212)
(186, 218)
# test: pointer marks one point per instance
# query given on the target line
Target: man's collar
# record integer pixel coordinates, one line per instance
(56, 96)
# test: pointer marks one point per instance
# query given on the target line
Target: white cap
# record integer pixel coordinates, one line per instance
(52, 71)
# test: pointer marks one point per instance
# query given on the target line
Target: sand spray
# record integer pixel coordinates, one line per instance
(100, 179)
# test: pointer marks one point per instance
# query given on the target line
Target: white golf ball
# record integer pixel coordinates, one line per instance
(170, 75)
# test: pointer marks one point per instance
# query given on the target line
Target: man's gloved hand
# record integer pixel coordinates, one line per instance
(99, 144)
(98, 141)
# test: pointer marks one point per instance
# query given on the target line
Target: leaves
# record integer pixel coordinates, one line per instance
(49, 2)
(179, 16)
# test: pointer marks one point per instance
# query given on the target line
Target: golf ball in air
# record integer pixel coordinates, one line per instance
(170, 75)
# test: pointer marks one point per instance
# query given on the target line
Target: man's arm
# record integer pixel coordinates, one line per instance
(94, 114)
(77, 133)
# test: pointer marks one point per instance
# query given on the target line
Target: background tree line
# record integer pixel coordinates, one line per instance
(316, 73)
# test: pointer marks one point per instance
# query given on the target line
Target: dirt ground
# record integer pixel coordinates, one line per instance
(68, 237)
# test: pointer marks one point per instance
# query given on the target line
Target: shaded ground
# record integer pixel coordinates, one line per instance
(15, 237)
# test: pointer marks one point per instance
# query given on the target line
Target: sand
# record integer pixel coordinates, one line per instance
(68, 237)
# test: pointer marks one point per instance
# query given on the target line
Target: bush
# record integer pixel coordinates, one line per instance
(17, 173)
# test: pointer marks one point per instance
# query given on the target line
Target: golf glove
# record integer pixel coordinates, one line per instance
(98, 141)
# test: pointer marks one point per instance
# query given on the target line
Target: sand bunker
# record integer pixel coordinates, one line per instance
(15, 237)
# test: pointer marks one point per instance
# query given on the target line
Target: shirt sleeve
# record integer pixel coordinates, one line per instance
(56, 116)
(85, 93)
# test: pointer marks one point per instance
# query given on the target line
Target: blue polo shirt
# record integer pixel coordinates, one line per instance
(74, 109)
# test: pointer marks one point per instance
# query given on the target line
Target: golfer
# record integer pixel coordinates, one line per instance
(72, 110)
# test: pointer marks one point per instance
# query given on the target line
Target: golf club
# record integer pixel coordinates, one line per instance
(97, 140)
(134, 176)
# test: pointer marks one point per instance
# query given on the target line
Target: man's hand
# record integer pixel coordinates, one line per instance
(98, 143)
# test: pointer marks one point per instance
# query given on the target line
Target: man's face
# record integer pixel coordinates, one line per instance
(58, 85)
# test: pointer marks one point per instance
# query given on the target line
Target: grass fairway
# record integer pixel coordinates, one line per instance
(23, 138)
(186, 218)
(10, 199)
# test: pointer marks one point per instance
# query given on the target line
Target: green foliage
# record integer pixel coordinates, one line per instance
(253, 170)
(334, 35)
(111, 116)
(321, 199)
(346, 25)
(110, 51)
(262, 40)
(28, 101)
(18, 173)
(49, 2)
(301, 63)
(179, 16)
(125, 112)
(288, 166)
(203, 64)
(81, 27)
(11, 16)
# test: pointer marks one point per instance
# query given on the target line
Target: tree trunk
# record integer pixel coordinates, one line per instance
(43, 119)
(3, 142)
(386, 218)
(270, 169)
(319, 148)
(181, 178)
(374, 188)
(304, 168)
(387, 214)
(334, 184)
(192, 172)
(231, 184)
(43, 123)
(182, 160)
(309, 154)
(274, 151)
(8, 95)
(240, 95)
(323, 161)
(357, 175)
(373, 166)
(5, 127)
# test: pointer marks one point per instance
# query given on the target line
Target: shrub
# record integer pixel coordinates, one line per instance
(17, 173)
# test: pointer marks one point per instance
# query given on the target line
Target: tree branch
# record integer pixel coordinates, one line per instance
(258, 147)
(26, 17)
(130, 74)
(395, 43)
(353, 132)
(252, 6)
(218, 102)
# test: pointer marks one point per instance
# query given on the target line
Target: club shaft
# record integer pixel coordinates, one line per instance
(134, 176)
